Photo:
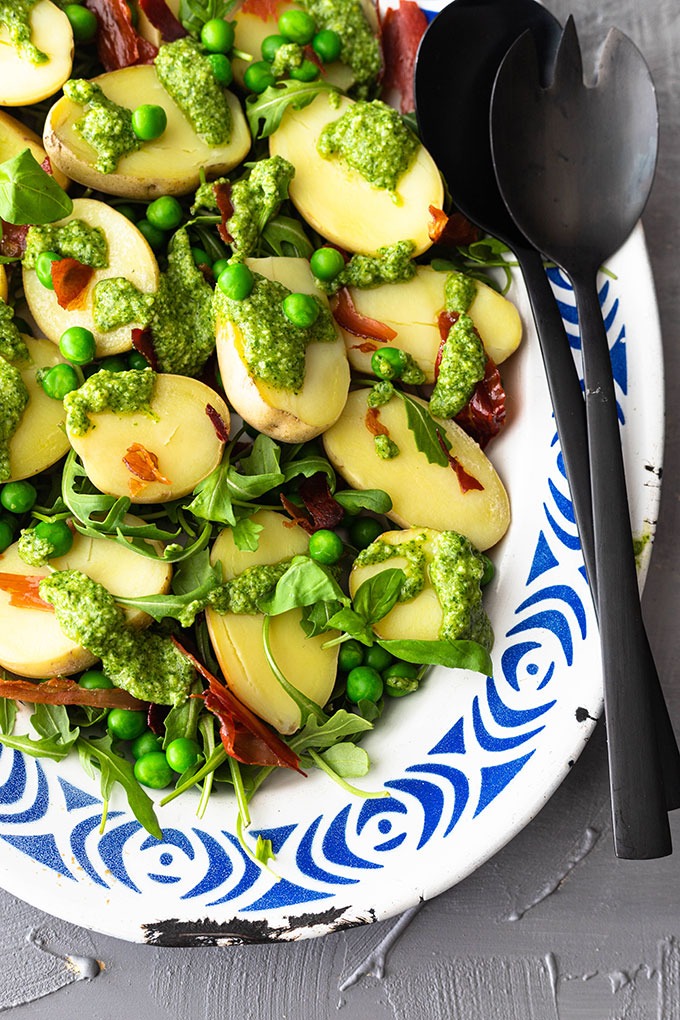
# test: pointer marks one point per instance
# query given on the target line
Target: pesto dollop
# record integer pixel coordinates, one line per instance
(372, 139)
(360, 46)
(75, 239)
(117, 302)
(255, 199)
(412, 551)
(273, 348)
(391, 264)
(146, 665)
(105, 125)
(123, 392)
(15, 15)
(380, 393)
(288, 58)
(187, 76)
(182, 315)
(12, 346)
(242, 593)
(385, 447)
(460, 291)
(456, 571)
(33, 549)
(13, 401)
(462, 366)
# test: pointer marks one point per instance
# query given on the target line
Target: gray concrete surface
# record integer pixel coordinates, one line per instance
(553, 928)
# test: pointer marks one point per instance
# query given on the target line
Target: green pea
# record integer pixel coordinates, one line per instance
(201, 257)
(327, 263)
(126, 724)
(221, 69)
(301, 309)
(363, 531)
(154, 236)
(219, 267)
(152, 770)
(271, 45)
(58, 534)
(182, 753)
(325, 546)
(217, 35)
(297, 26)
(128, 211)
(165, 213)
(327, 45)
(18, 497)
(236, 281)
(137, 360)
(78, 345)
(307, 71)
(6, 535)
(59, 380)
(145, 743)
(258, 76)
(351, 654)
(388, 362)
(43, 267)
(84, 23)
(377, 658)
(363, 684)
(95, 680)
(149, 121)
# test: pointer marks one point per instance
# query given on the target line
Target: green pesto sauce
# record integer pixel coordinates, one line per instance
(34, 550)
(462, 366)
(74, 240)
(274, 349)
(242, 593)
(287, 58)
(380, 393)
(13, 401)
(122, 392)
(415, 567)
(460, 291)
(182, 316)
(640, 543)
(392, 264)
(385, 447)
(187, 76)
(413, 374)
(105, 125)
(144, 664)
(255, 200)
(205, 197)
(12, 346)
(360, 47)
(456, 571)
(372, 139)
(117, 302)
(15, 16)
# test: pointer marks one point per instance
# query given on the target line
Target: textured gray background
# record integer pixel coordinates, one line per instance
(553, 928)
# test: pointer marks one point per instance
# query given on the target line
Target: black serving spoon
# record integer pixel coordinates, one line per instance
(575, 165)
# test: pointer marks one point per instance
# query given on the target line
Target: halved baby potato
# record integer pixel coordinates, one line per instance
(32, 642)
(412, 308)
(423, 494)
(21, 81)
(338, 202)
(279, 413)
(129, 256)
(237, 638)
(39, 440)
(178, 432)
(170, 165)
(15, 137)
(3, 284)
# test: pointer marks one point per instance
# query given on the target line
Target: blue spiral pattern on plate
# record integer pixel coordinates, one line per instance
(427, 801)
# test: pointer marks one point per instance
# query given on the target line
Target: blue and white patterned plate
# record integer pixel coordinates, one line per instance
(468, 761)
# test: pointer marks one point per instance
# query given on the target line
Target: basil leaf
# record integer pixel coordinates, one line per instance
(28, 194)
(353, 500)
(316, 619)
(114, 769)
(378, 594)
(427, 433)
(353, 624)
(246, 534)
(269, 107)
(304, 583)
(284, 236)
(347, 760)
(320, 736)
(454, 654)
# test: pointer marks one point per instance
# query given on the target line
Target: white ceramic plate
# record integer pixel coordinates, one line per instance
(468, 761)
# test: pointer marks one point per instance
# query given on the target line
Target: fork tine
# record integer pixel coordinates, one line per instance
(568, 63)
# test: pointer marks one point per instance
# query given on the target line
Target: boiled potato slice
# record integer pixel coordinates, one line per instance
(412, 308)
(420, 618)
(147, 30)
(129, 256)
(282, 414)
(481, 515)
(178, 432)
(39, 440)
(237, 638)
(15, 137)
(338, 202)
(21, 81)
(32, 642)
(170, 165)
(3, 283)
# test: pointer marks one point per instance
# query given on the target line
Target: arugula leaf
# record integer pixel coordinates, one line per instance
(212, 497)
(115, 769)
(182, 720)
(306, 705)
(308, 466)
(322, 735)
(8, 714)
(246, 534)
(378, 594)
(347, 760)
(270, 106)
(455, 654)
(183, 607)
(353, 500)
(56, 736)
(28, 194)
(264, 850)
(52, 722)
(303, 584)
(194, 13)
(428, 434)
(259, 473)
(284, 236)
(316, 619)
(324, 765)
